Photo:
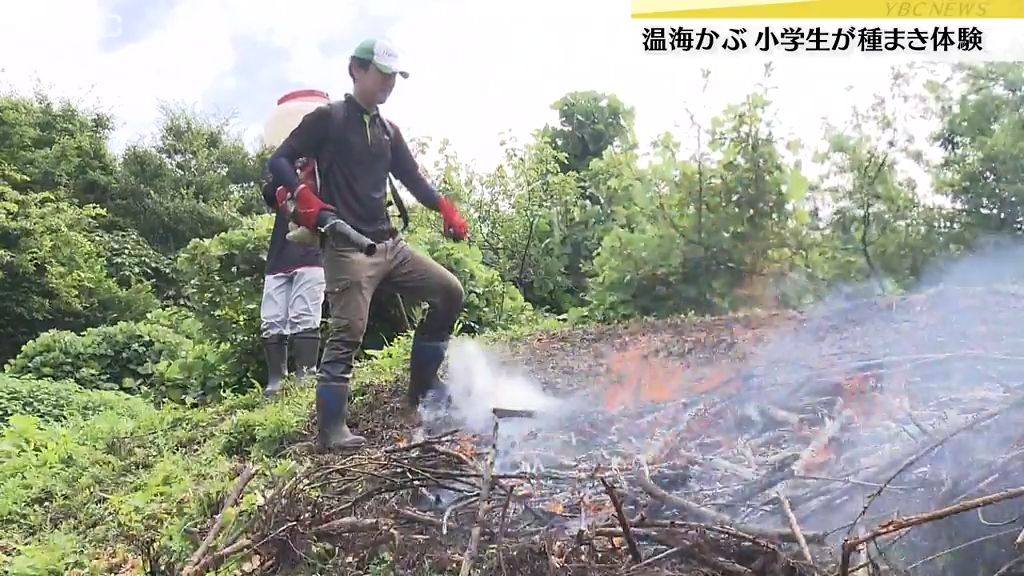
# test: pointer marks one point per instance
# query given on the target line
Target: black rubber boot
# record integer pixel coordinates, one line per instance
(306, 350)
(275, 349)
(425, 360)
(331, 413)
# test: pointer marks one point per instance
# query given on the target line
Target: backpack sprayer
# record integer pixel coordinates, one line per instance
(306, 213)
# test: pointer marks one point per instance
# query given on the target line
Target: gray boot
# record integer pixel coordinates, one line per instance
(331, 413)
(275, 348)
(306, 350)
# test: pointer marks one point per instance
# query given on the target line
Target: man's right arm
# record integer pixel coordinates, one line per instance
(305, 141)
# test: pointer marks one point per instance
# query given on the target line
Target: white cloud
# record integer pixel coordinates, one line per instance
(178, 62)
(189, 54)
(478, 68)
(482, 67)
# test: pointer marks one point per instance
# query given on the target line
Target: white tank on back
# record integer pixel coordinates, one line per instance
(290, 110)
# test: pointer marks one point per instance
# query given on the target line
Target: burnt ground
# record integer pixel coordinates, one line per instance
(565, 362)
(852, 389)
(575, 361)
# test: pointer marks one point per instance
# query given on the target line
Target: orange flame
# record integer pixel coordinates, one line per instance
(637, 378)
(863, 399)
(817, 459)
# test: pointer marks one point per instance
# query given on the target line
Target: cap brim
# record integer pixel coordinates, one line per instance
(390, 70)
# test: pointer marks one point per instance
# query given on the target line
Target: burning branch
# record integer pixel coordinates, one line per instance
(634, 551)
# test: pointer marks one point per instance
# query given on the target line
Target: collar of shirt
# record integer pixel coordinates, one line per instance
(351, 101)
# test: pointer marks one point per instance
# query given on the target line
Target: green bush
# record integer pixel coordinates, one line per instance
(54, 271)
(204, 373)
(57, 402)
(134, 487)
(222, 283)
(124, 356)
(131, 261)
(179, 319)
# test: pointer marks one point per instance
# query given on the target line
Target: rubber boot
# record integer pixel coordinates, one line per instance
(306, 350)
(331, 413)
(424, 362)
(275, 349)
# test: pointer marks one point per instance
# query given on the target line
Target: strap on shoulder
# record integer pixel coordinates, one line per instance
(403, 212)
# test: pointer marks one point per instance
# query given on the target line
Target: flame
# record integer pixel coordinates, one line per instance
(638, 377)
(864, 400)
(817, 458)
(465, 446)
(722, 377)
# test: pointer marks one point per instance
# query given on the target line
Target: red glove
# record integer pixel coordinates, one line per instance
(307, 205)
(454, 223)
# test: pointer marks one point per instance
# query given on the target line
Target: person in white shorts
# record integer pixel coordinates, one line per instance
(293, 298)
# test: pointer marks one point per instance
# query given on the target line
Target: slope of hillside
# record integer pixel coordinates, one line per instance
(746, 444)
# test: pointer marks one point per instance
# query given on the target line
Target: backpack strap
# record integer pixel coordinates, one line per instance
(403, 212)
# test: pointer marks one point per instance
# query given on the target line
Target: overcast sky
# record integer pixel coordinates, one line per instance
(478, 68)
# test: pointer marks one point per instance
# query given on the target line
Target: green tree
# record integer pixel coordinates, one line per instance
(590, 123)
(54, 270)
(57, 145)
(195, 181)
(982, 138)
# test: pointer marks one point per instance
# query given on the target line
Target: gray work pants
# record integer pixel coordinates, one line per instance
(292, 302)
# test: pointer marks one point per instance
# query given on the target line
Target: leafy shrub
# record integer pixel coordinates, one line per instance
(53, 267)
(177, 318)
(58, 401)
(205, 372)
(124, 356)
(222, 283)
(642, 273)
(131, 261)
(128, 489)
(266, 428)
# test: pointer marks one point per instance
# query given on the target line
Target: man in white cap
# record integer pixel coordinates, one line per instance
(356, 149)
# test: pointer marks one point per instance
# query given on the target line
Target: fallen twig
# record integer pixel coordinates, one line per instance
(703, 514)
(795, 527)
(958, 548)
(196, 560)
(900, 524)
(930, 448)
(485, 493)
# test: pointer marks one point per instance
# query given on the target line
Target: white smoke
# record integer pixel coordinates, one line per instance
(478, 383)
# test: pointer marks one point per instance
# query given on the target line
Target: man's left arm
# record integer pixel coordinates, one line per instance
(407, 170)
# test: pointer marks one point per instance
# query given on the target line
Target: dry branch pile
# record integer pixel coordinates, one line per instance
(879, 437)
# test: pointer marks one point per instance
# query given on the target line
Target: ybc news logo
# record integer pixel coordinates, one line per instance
(826, 9)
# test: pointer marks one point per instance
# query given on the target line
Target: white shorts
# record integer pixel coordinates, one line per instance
(292, 301)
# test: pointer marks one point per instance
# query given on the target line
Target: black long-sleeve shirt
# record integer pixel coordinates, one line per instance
(355, 151)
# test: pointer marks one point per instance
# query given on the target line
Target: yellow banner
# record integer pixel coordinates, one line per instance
(819, 9)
